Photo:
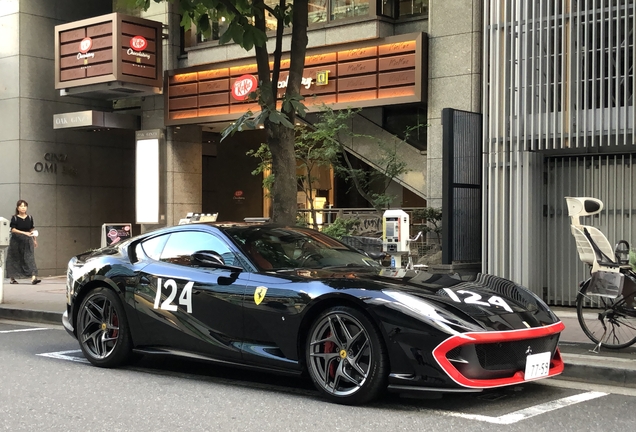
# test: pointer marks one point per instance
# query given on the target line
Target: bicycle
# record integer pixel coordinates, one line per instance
(610, 320)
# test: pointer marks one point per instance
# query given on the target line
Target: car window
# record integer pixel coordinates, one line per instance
(182, 245)
(153, 247)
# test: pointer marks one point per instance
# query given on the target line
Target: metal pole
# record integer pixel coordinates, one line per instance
(1, 275)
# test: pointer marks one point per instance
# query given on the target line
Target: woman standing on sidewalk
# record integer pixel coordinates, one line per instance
(20, 256)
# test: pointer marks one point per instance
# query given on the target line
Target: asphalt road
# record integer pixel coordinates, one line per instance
(46, 385)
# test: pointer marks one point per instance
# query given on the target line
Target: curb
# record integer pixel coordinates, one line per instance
(31, 315)
(608, 371)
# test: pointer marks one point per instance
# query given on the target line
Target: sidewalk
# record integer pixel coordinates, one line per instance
(46, 302)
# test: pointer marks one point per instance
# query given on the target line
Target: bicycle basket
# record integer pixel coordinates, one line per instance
(606, 284)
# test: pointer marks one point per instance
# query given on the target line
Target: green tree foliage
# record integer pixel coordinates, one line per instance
(318, 146)
(247, 28)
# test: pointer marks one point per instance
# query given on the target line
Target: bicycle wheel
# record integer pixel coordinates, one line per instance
(610, 322)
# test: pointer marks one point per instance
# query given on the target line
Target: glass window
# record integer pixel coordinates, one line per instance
(413, 7)
(293, 248)
(317, 11)
(341, 9)
(182, 245)
(154, 246)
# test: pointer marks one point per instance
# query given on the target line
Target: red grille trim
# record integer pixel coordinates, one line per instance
(439, 353)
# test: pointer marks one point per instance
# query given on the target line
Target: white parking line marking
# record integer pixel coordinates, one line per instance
(62, 355)
(22, 330)
(532, 411)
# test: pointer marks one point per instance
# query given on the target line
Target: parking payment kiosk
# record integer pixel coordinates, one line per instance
(395, 235)
(5, 233)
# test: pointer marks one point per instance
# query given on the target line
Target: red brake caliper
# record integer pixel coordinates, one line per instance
(329, 348)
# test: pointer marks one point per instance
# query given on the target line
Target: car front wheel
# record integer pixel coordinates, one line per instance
(102, 329)
(346, 357)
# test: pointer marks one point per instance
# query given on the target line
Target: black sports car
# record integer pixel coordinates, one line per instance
(290, 300)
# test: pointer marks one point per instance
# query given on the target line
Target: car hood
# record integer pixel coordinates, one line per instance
(489, 302)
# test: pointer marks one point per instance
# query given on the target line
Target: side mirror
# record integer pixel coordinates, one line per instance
(211, 259)
(621, 251)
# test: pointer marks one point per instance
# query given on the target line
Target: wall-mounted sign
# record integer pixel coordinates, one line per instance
(85, 45)
(322, 78)
(113, 233)
(138, 43)
(121, 50)
(243, 86)
(55, 163)
(379, 72)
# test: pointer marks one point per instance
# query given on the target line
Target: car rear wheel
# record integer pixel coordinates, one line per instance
(102, 329)
(346, 357)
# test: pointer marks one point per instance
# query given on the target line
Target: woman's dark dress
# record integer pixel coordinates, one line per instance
(20, 256)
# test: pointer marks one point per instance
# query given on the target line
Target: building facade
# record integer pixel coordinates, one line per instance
(558, 121)
(78, 178)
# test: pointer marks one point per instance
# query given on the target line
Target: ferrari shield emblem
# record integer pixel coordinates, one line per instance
(259, 294)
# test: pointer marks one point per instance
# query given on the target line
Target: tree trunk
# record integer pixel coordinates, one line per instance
(280, 138)
(281, 145)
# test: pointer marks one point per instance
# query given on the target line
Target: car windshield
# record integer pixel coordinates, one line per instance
(285, 248)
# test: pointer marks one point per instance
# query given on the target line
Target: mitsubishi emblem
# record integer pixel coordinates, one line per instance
(529, 350)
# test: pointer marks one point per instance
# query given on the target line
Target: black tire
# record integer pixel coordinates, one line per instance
(102, 329)
(610, 322)
(346, 357)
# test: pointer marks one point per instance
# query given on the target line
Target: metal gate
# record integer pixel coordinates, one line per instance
(461, 186)
(610, 178)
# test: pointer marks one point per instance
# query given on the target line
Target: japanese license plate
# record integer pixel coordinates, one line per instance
(537, 365)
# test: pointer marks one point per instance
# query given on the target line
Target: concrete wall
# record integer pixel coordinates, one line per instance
(93, 185)
(455, 38)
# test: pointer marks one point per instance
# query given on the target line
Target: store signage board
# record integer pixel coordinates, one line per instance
(108, 48)
(379, 72)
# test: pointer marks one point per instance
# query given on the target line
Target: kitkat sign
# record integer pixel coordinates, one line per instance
(243, 86)
(138, 43)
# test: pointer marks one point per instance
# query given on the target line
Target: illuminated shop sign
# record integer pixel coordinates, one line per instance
(108, 48)
(368, 73)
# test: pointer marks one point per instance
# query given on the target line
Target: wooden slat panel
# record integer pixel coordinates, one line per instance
(397, 62)
(331, 87)
(182, 90)
(72, 35)
(214, 86)
(396, 92)
(72, 74)
(357, 83)
(213, 74)
(214, 99)
(176, 115)
(311, 72)
(182, 78)
(243, 108)
(205, 112)
(183, 103)
(400, 78)
(242, 70)
(131, 29)
(398, 47)
(357, 96)
(357, 67)
(319, 100)
(138, 70)
(100, 29)
(125, 57)
(98, 57)
(319, 59)
(99, 69)
(358, 53)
